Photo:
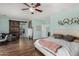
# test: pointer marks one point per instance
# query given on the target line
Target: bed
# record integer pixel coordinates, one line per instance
(67, 49)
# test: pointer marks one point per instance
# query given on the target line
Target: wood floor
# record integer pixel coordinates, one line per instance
(21, 47)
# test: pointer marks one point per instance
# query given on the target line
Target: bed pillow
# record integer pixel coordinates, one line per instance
(76, 40)
(58, 36)
(69, 38)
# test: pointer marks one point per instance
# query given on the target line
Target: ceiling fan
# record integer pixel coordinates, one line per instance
(32, 7)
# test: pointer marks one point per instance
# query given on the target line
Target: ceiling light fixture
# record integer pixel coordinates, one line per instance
(31, 9)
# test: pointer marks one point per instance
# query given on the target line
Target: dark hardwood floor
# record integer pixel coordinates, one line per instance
(21, 47)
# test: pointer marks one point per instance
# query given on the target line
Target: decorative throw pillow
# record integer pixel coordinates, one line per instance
(58, 36)
(69, 38)
(3, 35)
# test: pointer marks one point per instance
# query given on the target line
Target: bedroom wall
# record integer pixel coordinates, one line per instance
(52, 21)
(4, 24)
(72, 13)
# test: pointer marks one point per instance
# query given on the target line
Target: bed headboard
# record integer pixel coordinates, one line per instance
(73, 32)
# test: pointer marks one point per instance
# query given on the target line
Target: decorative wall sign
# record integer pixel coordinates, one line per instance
(69, 21)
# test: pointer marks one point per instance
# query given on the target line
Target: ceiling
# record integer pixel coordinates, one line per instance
(13, 10)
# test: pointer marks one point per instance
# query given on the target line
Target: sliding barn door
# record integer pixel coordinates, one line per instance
(14, 28)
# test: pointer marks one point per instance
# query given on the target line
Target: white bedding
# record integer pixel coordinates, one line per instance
(45, 52)
(67, 49)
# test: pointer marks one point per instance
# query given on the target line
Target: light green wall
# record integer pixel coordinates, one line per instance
(40, 21)
(62, 15)
(4, 24)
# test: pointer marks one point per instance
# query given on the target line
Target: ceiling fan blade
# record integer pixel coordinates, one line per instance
(25, 9)
(27, 4)
(38, 4)
(38, 10)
